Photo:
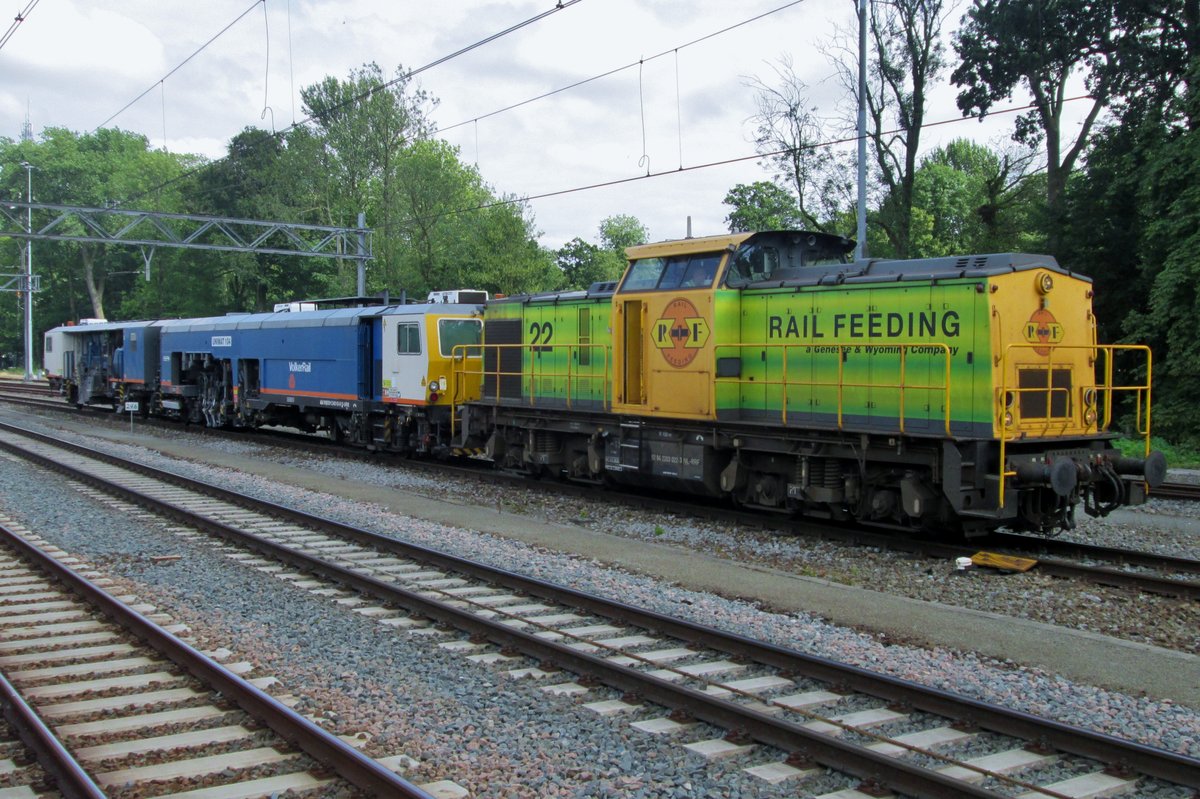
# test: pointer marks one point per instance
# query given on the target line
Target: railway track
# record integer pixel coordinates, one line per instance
(1188, 491)
(672, 675)
(1107, 566)
(37, 388)
(112, 704)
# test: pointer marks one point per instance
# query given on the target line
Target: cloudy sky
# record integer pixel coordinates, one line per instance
(76, 63)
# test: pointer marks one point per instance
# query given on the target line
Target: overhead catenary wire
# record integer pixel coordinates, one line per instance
(623, 67)
(21, 16)
(707, 165)
(560, 5)
(182, 63)
(644, 161)
(674, 51)
(267, 67)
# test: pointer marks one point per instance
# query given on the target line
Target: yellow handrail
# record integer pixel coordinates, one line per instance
(842, 351)
(1006, 412)
(574, 378)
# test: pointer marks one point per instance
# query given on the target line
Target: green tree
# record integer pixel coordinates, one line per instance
(967, 199)
(761, 206)
(908, 58)
(1169, 200)
(262, 178)
(1004, 44)
(1130, 219)
(620, 231)
(450, 231)
(791, 138)
(583, 263)
(364, 125)
(91, 170)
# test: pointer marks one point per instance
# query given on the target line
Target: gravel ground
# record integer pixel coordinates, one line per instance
(1160, 621)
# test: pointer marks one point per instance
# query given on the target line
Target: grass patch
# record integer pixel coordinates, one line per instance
(1178, 457)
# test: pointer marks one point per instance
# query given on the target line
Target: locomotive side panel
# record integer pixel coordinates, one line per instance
(549, 352)
(895, 357)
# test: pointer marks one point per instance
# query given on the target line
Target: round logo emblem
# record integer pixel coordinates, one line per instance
(680, 333)
(1043, 328)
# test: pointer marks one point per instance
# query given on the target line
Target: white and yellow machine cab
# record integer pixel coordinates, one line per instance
(418, 345)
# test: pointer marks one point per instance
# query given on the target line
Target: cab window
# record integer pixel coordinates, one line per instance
(756, 262)
(644, 274)
(458, 332)
(677, 272)
(408, 338)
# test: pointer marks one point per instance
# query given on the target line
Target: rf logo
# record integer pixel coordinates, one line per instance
(680, 333)
(1043, 328)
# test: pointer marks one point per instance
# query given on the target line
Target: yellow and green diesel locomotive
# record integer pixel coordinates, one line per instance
(945, 394)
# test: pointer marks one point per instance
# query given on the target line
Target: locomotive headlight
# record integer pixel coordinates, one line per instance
(1089, 397)
(1089, 417)
(1045, 282)
(1010, 397)
(434, 385)
(1008, 419)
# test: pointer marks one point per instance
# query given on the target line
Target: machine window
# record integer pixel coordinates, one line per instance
(458, 332)
(408, 338)
(49, 344)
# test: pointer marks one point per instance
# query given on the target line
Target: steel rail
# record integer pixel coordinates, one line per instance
(325, 748)
(1059, 546)
(1188, 491)
(1109, 749)
(69, 777)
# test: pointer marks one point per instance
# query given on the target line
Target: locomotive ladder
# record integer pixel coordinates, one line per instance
(631, 450)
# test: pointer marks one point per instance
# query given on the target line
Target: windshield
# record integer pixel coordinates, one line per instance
(456, 332)
(677, 272)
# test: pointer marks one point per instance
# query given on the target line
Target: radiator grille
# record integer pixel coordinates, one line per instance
(1033, 403)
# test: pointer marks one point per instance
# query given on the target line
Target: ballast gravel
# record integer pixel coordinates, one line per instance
(496, 737)
(1160, 621)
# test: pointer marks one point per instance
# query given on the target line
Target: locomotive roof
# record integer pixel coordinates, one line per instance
(101, 327)
(728, 241)
(686, 246)
(332, 317)
(925, 269)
